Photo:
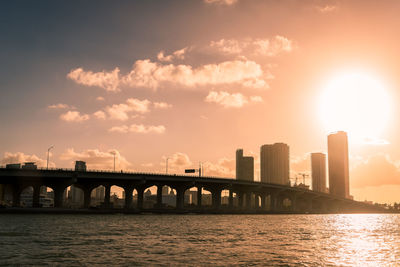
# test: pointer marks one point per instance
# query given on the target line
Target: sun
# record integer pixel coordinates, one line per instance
(355, 102)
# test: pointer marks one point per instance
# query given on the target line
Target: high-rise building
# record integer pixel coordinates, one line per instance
(318, 172)
(338, 162)
(244, 166)
(274, 163)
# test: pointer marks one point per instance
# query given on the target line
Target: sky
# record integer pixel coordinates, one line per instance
(193, 81)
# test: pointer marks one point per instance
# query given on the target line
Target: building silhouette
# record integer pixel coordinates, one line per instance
(274, 163)
(318, 172)
(244, 166)
(338, 162)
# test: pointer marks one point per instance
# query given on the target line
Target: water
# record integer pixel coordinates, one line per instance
(308, 240)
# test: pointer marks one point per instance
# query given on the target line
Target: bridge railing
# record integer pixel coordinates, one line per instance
(120, 172)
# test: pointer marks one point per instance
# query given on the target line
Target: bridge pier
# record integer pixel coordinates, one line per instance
(58, 196)
(274, 202)
(128, 196)
(263, 201)
(107, 192)
(86, 197)
(16, 193)
(199, 195)
(159, 196)
(36, 196)
(180, 197)
(140, 193)
(240, 199)
(230, 204)
(256, 201)
(216, 198)
(248, 200)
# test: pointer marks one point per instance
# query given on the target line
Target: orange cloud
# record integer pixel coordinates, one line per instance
(221, 2)
(106, 80)
(258, 47)
(162, 105)
(228, 100)
(60, 106)
(74, 116)
(179, 54)
(20, 157)
(148, 74)
(138, 128)
(121, 111)
(96, 159)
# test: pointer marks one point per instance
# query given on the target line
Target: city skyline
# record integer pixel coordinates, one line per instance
(193, 89)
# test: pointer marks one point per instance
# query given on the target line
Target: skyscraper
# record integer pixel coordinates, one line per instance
(274, 163)
(318, 172)
(244, 166)
(338, 161)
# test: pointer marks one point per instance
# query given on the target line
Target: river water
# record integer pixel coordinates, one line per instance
(268, 240)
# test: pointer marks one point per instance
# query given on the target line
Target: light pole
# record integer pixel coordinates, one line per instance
(166, 165)
(114, 159)
(48, 156)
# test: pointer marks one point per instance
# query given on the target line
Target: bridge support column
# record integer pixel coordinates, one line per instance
(248, 200)
(16, 202)
(274, 202)
(263, 204)
(159, 196)
(2, 192)
(256, 201)
(36, 197)
(140, 193)
(293, 203)
(58, 197)
(240, 199)
(128, 197)
(107, 193)
(86, 197)
(230, 199)
(180, 192)
(216, 198)
(199, 195)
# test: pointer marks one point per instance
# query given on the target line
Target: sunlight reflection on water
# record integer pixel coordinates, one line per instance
(311, 240)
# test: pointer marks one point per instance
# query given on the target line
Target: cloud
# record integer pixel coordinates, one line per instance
(20, 157)
(258, 47)
(138, 128)
(106, 80)
(221, 2)
(377, 170)
(179, 54)
(100, 115)
(96, 159)
(326, 9)
(100, 98)
(74, 116)
(162, 105)
(121, 111)
(60, 106)
(148, 74)
(179, 159)
(227, 100)
(224, 167)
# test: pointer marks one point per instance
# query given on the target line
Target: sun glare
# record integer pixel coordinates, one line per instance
(358, 103)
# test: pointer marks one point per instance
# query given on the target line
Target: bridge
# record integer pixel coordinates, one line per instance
(243, 196)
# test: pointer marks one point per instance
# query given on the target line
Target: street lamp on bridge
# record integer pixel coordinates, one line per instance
(48, 156)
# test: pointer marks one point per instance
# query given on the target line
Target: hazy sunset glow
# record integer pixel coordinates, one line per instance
(357, 103)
